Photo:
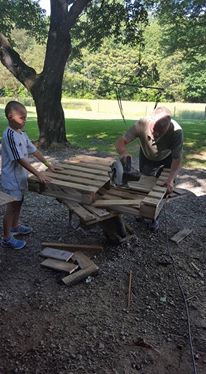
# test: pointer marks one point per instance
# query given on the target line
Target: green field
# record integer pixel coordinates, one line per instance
(100, 135)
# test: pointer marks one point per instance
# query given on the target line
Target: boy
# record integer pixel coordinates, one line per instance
(16, 146)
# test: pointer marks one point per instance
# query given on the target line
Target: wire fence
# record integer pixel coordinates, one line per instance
(131, 109)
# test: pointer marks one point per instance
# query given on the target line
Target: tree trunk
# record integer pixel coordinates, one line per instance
(51, 121)
(47, 89)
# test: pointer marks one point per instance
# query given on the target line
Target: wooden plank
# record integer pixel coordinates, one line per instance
(102, 203)
(93, 159)
(89, 165)
(125, 209)
(81, 168)
(59, 265)
(148, 211)
(156, 194)
(69, 194)
(80, 210)
(5, 198)
(180, 191)
(180, 235)
(82, 260)
(97, 211)
(159, 189)
(111, 197)
(124, 193)
(77, 186)
(151, 201)
(80, 275)
(73, 247)
(80, 174)
(69, 178)
(56, 254)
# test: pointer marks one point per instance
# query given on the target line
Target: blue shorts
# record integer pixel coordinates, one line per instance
(18, 194)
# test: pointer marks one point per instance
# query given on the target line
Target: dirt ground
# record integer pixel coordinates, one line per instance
(46, 327)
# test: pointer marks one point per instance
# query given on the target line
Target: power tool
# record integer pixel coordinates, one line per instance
(122, 172)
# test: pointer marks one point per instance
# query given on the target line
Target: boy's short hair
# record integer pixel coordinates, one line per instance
(12, 105)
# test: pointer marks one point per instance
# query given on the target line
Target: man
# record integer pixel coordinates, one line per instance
(161, 142)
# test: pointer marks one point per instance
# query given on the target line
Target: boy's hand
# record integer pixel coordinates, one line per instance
(54, 167)
(42, 177)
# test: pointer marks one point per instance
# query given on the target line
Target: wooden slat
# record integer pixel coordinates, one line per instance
(59, 265)
(101, 203)
(180, 235)
(82, 260)
(81, 174)
(97, 211)
(56, 254)
(89, 165)
(93, 159)
(80, 211)
(124, 193)
(80, 275)
(81, 168)
(63, 177)
(73, 247)
(125, 209)
(77, 186)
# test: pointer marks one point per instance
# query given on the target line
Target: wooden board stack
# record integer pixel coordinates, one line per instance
(79, 179)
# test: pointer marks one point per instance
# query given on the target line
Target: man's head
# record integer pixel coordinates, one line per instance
(16, 114)
(161, 121)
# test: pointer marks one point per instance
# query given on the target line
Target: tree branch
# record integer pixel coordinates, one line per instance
(75, 10)
(12, 61)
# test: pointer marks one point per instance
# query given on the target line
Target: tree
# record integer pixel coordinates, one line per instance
(99, 19)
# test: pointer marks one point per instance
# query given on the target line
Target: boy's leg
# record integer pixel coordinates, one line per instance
(11, 217)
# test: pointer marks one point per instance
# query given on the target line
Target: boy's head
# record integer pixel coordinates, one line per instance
(16, 114)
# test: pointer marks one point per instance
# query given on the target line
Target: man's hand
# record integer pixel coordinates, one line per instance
(170, 186)
(42, 177)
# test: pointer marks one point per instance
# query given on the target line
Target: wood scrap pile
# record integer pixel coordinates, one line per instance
(70, 259)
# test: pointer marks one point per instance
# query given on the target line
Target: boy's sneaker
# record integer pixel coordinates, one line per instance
(21, 230)
(13, 243)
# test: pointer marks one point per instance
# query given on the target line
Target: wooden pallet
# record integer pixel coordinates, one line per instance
(79, 179)
(144, 198)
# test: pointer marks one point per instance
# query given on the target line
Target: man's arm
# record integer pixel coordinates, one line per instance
(175, 166)
(131, 134)
(121, 147)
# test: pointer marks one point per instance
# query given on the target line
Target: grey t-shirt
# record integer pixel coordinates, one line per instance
(15, 146)
(159, 149)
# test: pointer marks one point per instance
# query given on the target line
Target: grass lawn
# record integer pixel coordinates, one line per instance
(100, 135)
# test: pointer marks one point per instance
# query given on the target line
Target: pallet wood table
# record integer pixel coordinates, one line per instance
(83, 186)
(79, 179)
